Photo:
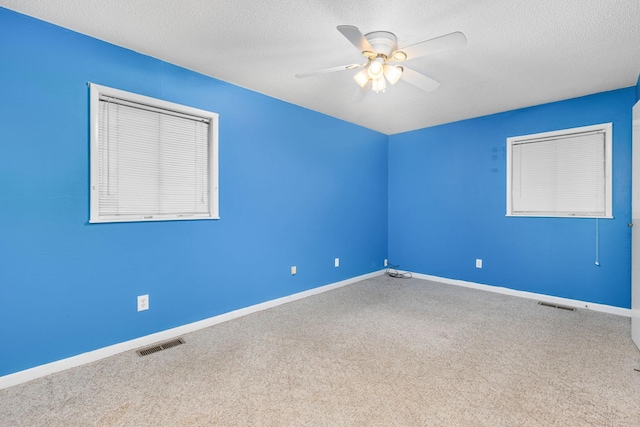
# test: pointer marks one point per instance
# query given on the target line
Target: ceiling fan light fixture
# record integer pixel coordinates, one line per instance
(392, 73)
(362, 77)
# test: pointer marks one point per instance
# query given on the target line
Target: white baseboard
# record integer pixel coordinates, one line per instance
(530, 295)
(101, 353)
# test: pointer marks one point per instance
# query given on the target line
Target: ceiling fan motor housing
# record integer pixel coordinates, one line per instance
(383, 42)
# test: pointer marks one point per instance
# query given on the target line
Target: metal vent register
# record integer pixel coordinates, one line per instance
(160, 347)
(562, 307)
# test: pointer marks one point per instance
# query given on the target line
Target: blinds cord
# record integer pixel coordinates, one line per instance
(597, 244)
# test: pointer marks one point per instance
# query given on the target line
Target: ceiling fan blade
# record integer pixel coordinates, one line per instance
(356, 38)
(439, 44)
(330, 70)
(418, 80)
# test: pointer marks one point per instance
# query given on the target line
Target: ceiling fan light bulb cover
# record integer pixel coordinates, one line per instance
(376, 69)
(362, 78)
(392, 73)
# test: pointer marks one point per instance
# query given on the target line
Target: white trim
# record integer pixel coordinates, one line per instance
(619, 311)
(104, 352)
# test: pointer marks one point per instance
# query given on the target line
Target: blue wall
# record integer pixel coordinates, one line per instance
(296, 188)
(447, 206)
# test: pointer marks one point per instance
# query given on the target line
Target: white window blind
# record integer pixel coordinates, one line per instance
(151, 160)
(564, 173)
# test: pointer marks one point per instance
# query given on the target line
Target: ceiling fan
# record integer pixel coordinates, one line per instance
(380, 48)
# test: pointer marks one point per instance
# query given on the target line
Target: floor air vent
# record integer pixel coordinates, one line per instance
(160, 347)
(561, 307)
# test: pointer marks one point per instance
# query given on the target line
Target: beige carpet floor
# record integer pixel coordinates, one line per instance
(381, 352)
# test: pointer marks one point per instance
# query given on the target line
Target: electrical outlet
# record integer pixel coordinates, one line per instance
(294, 270)
(386, 262)
(143, 302)
(478, 263)
(336, 262)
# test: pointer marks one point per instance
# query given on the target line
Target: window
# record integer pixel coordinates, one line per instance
(151, 160)
(560, 174)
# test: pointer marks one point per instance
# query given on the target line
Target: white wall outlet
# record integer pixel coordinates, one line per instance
(386, 262)
(336, 262)
(478, 263)
(294, 270)
(143, 302)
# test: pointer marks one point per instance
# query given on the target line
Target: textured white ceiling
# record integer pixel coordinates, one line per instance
(519, 53)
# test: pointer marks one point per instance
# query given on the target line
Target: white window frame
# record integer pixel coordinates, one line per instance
(606, 128)
(98, 91)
